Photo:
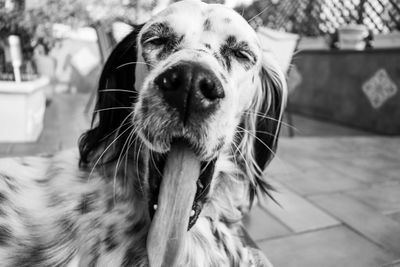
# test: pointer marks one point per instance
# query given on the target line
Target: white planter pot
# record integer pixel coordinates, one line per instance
(352, 37)
(22, 107)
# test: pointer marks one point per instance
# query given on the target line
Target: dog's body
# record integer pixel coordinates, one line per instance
(53, 212)
(95, 207)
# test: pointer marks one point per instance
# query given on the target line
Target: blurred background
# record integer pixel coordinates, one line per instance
(337, 170)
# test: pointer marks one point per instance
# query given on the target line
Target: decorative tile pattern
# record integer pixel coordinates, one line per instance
(379, 88)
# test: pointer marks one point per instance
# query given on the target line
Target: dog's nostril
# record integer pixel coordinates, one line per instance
(210, 90)
(167, 84)
(170, 80)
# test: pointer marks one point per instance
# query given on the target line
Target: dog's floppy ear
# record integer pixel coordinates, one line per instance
(262, 125)
(270, 112)
(116, 97)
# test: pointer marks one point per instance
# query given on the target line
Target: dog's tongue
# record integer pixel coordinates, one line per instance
(168, 228)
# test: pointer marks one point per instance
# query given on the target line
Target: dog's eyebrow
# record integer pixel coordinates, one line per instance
(158, 28)
(232, 44)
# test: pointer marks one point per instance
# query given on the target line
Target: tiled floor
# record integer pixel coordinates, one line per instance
(338, 189)
(340, 203)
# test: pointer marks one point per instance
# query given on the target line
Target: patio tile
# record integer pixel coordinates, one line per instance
(334, 247)
(322, 181)
(306, 163)
(365, 174)
(380, 161)
(262, 225)
(395, 216)
(297, 213)
(384, 198)
(4, 149)
(393, 264)
(281, 169)
(392, 173)
(366, 220)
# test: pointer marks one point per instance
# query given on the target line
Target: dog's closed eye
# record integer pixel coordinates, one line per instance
(246, 55)
(156, 41)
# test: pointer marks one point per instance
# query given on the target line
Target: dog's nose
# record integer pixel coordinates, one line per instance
(191, 88)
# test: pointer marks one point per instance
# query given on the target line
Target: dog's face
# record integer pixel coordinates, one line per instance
(192, 83)
(198, 71)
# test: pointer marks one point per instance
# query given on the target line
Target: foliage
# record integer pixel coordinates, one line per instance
(34, 26)
(11, 24)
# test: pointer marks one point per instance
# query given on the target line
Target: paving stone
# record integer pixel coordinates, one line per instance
(395, 216)
(385, 198)
(365, 174)
(297, 213)
(306, 163)
(395, 263)
(379, 161)
(5, 149)
(261, 225)
(320, 181)
(281, 169)
(333, 247)
(392, 173)
(366, 220)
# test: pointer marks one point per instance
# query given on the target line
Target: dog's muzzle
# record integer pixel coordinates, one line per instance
(190, 88)
(179, 179)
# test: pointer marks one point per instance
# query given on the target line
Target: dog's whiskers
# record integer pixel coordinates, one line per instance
(114, 131)
(236, 164)
(118, 161)
(105, 150)
(116, 90)
(132, 63)
(155, 165)
(137, 167)
(259, 14)
(264, 132)
(272, 119)
(131, 135)
(112, 108)
(245, 161)
(115, 139)
(262, 142)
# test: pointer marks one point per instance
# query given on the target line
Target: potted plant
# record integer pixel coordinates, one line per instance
(22, 90)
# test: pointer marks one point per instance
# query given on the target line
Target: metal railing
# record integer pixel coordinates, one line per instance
(317, 17)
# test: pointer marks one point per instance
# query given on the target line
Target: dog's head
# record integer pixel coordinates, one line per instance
(193, 75)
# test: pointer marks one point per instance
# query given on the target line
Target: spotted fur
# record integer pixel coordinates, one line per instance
(90, 207)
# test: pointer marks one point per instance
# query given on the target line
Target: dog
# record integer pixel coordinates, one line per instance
(192, 80)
